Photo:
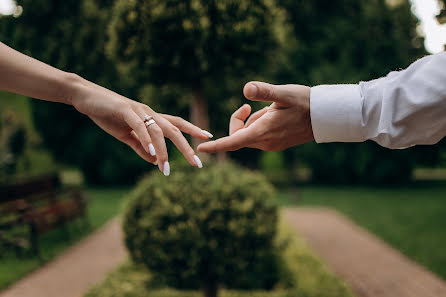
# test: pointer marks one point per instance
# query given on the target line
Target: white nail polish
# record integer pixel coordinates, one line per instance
(152, 150)
(198, 161)
(166, 169)
(207, 134)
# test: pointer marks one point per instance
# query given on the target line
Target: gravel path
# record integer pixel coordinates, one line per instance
(74, 271)
(371, 267)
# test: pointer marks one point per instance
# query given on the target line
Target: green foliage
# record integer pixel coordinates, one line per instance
(163, 51)
(71, 35)
(206, 49)
(203, 227)
(13, 143)
(305, 276)
(189, 42)
(274, 167)
(270, 161)
(346, 41)
(366, 163)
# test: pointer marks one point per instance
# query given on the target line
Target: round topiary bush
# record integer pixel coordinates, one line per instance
(205, 228)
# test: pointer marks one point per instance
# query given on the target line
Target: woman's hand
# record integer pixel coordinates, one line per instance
(119, 116)
(125, 120)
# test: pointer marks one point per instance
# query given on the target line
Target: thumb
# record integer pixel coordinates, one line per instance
(260, 91)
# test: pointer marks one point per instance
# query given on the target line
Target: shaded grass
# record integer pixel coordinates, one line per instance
(21, 107)
(103, 205)
(36, 159)
(411, 218)
(302, 275)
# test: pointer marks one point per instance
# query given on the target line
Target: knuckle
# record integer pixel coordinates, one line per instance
(190, 151)
(214, 147)
(123, 111)
(157, 130)
(269, 92)
(174, 130)
(162, 156)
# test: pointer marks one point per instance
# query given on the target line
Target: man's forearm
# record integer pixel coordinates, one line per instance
(29, 77)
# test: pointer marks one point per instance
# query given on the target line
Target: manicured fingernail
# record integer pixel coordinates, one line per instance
(166, 169)
(207, 134)
(198, 161)
(251, 91)
(152, 150)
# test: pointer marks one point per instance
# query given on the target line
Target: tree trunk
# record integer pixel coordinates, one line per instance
(210, 289)
(199, 113)
(199, 117)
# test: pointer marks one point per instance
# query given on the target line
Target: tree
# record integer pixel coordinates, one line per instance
(71, 35)
(204, 229)
(192, 44)
(345, 41)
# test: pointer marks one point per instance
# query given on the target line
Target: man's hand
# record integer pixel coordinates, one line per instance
(283, 124)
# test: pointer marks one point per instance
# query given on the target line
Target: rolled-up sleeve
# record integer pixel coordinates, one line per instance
(400, 110)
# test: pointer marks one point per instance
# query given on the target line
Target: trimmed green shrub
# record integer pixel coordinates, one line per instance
(205, 228)
(303, 275)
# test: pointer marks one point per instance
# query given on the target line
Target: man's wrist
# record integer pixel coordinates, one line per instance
(306, 106)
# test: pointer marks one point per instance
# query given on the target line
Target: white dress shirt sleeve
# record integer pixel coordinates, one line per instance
(400, 110)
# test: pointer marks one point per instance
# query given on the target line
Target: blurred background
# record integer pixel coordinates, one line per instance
(197, 71)
(193, 61)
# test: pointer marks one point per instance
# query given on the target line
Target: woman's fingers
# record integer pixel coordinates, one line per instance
(149, 135)
(242, 138)
(161, 126)
(181, 143)
(137, 124)
(187, 127)
(255, 116)
(174, 134)
(238, 118)
(133, 141)
(159, 144)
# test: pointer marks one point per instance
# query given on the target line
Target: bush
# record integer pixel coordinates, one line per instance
(357, 163)
(204, 228)
(304, 276)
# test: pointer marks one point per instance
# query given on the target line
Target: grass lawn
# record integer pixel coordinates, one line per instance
(38, 157)
(103, 204)
(411, 218)
(20, 106)
(302, 275)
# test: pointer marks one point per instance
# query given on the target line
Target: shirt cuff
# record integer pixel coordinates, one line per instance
(336, 113)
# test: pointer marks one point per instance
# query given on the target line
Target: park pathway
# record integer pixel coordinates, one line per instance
(367, 264)
(371, 267)
(75, 270)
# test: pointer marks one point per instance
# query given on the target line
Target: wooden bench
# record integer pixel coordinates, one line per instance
(31, 208)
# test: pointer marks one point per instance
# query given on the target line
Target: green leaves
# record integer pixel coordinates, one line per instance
(186, 43)
(218, 222)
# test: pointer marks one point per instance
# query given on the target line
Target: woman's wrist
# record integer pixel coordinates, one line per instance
(73, 86)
